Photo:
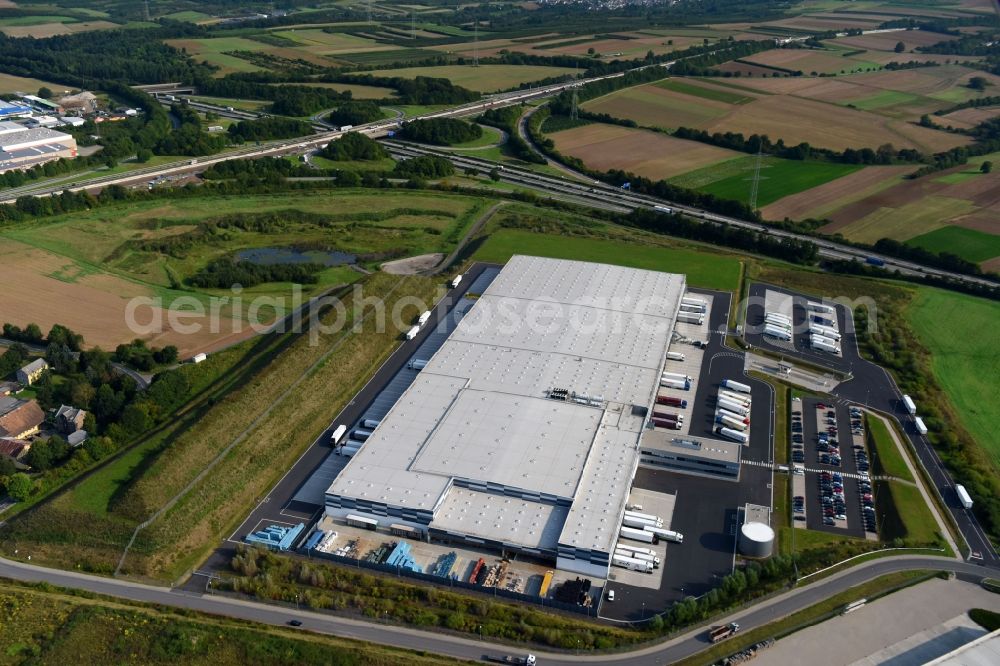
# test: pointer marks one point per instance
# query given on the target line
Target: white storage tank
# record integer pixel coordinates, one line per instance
(756, 539)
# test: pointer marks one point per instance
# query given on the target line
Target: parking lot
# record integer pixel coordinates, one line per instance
(765, 298)
(835, 489)
(706, 509)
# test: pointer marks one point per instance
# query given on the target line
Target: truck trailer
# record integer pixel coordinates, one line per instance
(733, 415)
(694, 309)
(911, 407)
(455, 281)
(639, 514)
(778, 333)
(730, 422)
(412, 333)
(691, 318)
(636, 535)
(668, 417)
(424, 316)
(338, 434)
(823, 321)
(675, 375)
(777, 318)
(722, 632)
(635, 549)
(675, 356)
(919, 424)
(666, 535)
(640, 523)
(693, 300)
(732, 434)
(734, 407)
(675, 384)
(735, 386)
(822, 309)
(631, 563)
(963, 496)
(825, 331)
(671, 401)
(824, 344)
(667, 425)
(741, 398)
(370, 424)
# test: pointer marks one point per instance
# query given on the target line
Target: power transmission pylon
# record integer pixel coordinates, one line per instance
(574, 113)
(756, 180)
(475, 43)
(413, 27)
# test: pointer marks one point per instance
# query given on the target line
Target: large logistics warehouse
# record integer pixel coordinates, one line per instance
(522, 432)
(23, 148)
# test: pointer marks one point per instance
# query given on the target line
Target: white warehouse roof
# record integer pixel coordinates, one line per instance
(479, 414)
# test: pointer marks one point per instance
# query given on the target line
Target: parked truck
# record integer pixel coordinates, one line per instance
(370, 424)
(825, 331)
(528, 660)
(823, 321)
(777, 333)
(691, 318)
(424, 316)
(412, 333)
(675, 356)
(722, 632)
(668, 425)
(777, 318)
(911, 407)
(694, 300)
(640, 523)
(732, 434)
(820, 343)
(338, 434)
(735, 386)
(821, 308)
(730, 422)
(417, 364)
(668, 417)
(733, 415)
(696, 309)
(963, 496)
(639, 514)
(919, 424)
(646, 557)
(636, 549)
(631, 563)
(666, 535)
(361, 435)
(734, 407)
(675, 384)
(455, 281)
(671, 401)
(741, 398)
(874, 261)
(637, 534)
(675, 375)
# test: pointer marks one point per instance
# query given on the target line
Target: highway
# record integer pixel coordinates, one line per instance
(677, 648)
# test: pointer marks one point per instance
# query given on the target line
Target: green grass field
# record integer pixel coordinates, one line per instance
(969, 244)
(35, 20)
(883, 99)
(702, 269)
(681, 86)
(887, 458)
(959, 331)
(779, 178)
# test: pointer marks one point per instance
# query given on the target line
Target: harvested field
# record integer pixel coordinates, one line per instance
(819, 201)
(46, 289)
(969, 117)
(819, 22)
(357, 90)
(789, 117)
(886, 41)
(642, 152)
(907, 220)
(10, 83)
(809, 61)
(801, 120)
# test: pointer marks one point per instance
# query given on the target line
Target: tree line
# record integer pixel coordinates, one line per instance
(440, 131)
(268, 128)
(354, 146)
(225, 272)
(506, 118)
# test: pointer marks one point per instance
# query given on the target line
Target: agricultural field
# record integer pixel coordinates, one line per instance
(70, 268)
(643, 152)
(907, 210)
(811, 61)
(778, 178)
(966, 243)
(10, 83)
(485, 78)
(954, 329)
(820, 201)
(357, 90)
(704, 105)
(50, 626)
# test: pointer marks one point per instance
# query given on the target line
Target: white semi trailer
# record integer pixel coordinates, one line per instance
(691, 318)
(777, 333)
(631, 563)
(636, 534)
(732, 434)
(733, 407)
(735, 386)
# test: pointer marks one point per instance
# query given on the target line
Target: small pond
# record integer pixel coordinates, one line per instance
(288, 255)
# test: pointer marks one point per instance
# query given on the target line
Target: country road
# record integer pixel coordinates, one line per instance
(460, 647)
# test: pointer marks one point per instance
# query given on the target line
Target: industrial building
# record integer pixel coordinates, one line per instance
(694, 455)
(23, 148)
(11, 110)
(522, 432)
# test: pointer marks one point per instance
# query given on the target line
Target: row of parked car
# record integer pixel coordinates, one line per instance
(798, 443)
(867, 506)
(858, 428)
(831, 497)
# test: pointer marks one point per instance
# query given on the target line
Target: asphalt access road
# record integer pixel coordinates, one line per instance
(872, 386)
(845, 325)
(269, 509)
(464, 648)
